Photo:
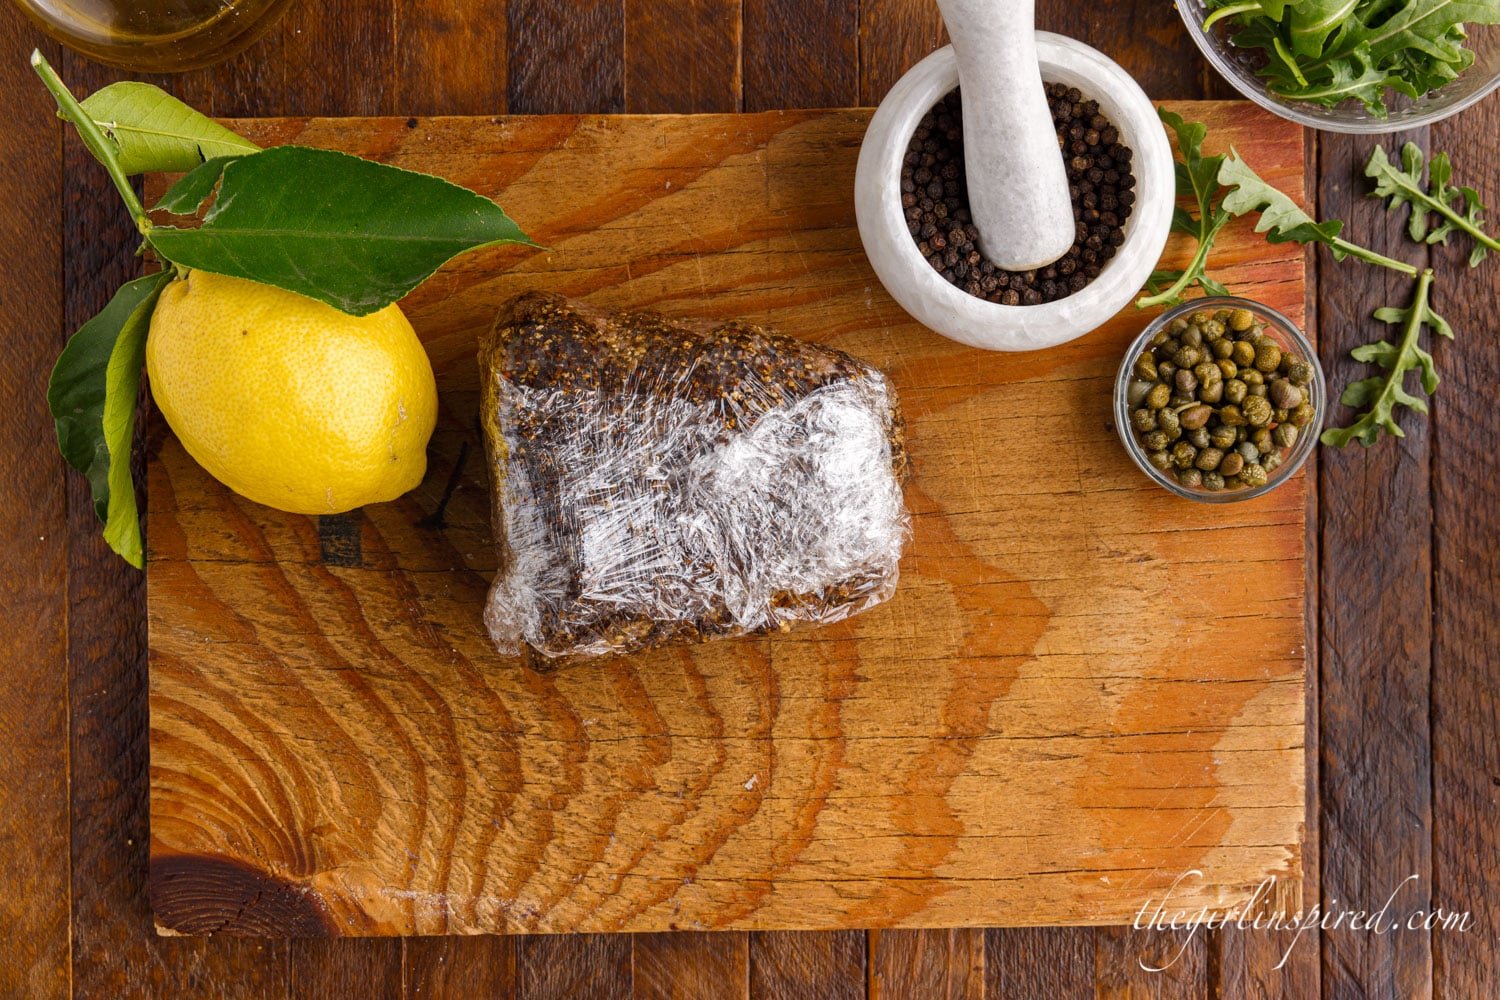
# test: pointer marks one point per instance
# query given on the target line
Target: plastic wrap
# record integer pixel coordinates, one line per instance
(658, 482)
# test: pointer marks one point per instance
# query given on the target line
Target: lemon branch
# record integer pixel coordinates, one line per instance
(95, 139)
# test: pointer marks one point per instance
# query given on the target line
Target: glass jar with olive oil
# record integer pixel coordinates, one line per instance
(155, 36)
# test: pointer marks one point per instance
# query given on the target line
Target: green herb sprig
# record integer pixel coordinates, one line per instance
(1197, 178)
(353, 234)
(1456, 208)
(1379, 395)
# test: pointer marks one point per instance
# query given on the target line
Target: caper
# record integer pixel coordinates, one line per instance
(1241, 320)
(1145, 368)
(1211, 393)
(1208, 459)
(1248, 451)
(1252, 376)
(1235, 391)
(1202, 316)
(1190, 478)
(1232, 464)
(1187, 357)
(1263, 440)
(1155, 440)
(1242, 354)
(1165, 371)
(1271, 462)
(1143, 420)
(1299, 372)
(1222, 436)
(1230, 416)
(1192, 337)
(1160, 337)
(1302, 415)
(1257, 409)
(1168, 421)
(1258, 390)
(1135, 392)
(1183, 454)
(1285, 435)
(1199, 438)
(1228, 368)
(1178, 325)
(1267, 356)
(1253, 474)
(1158, 396)
(1213, 482)
(1186, 380)
(1279, 416)
(1221, 348)
(1195, 417)
(1168, 349)
(1159, 459)
(1181, 399)
(1285, 395)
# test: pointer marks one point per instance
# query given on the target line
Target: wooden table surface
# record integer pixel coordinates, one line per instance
(1402, 713)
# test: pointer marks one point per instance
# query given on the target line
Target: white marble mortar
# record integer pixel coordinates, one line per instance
(951, 311)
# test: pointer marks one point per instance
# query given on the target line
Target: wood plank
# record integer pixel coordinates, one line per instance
(342, 968)
(687, 965)
(1466, 592)
(894, 35)
(927, 965)
(807, 965)
(1376, 628)
(472, 968)
(1053, 962)
(561, 967)
(801, 54)
(450, 58)
(1005, 717)
(682, 56)
(114, 950)
(33, 524)
(1162, 965)
(566, 58)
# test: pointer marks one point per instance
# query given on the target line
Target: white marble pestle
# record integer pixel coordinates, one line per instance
(1018, 186)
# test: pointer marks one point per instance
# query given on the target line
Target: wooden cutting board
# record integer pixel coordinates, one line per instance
(1083, 690)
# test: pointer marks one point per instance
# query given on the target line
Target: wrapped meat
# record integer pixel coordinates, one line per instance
(658, 482)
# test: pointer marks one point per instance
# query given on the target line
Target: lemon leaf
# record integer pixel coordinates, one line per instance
(343, 230)
(157, 133)
(92, 397)
(193, 188)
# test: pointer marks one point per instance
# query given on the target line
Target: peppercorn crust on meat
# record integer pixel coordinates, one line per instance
(658, 482)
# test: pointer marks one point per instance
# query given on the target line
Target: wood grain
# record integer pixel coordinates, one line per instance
(1052, 962)
(692, 965)
(348, 729)
(927, 965)
(33, 531)
(1466, 591)
(682, 56)
(566, 58)
(806, 965)
(1376, 633)
(800, 54)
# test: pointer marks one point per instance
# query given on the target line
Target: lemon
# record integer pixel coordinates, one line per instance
(288, 401)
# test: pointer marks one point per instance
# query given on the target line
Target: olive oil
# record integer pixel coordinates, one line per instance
(155, 36)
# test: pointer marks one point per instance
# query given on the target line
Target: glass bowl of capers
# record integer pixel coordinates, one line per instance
(1220, 399)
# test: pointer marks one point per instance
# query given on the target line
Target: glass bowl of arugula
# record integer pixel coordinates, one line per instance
(1359, 66)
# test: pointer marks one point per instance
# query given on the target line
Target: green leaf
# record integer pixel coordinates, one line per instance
(1457, 209)
(1283, 221)
(1313, 21)
(92, 395)
(354, 234)
(157, 133)
(1379, 396)
(193, 188)
(1197, 178)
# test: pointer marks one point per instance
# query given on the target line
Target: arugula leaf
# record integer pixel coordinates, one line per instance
(1329, 51)
(337, 228)
(1197, 178)
(1457, 209)
(92, 396)
(157, 133)
(1283, 221)
(1379, 395)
